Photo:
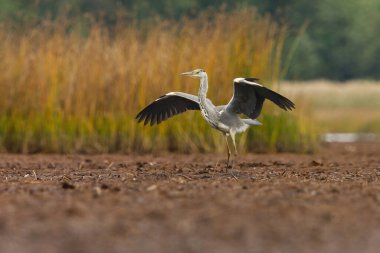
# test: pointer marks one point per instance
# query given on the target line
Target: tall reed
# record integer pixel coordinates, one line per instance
(65, 91)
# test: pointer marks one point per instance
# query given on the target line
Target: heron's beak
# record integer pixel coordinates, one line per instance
(187, 73)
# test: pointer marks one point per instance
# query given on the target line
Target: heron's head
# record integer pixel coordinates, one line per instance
(196, 73)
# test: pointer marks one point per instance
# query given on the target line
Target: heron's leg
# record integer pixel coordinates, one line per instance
(228, 150)
(235, 149)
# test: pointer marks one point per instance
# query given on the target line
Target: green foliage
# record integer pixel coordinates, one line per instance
(283, 132)
(341, 41)
(102, 134)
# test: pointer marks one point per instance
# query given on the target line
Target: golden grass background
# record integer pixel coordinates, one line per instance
(63, 89)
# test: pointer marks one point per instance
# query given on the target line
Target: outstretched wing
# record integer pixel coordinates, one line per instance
(249, 97)
(168, 106)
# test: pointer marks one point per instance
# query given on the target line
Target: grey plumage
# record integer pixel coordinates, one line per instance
(248, 99)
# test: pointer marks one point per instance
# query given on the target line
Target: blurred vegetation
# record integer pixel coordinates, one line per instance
(352, 106)
(65, 91)
(341, 40)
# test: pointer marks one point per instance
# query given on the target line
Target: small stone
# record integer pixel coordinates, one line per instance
(97, 191)
(152, 187)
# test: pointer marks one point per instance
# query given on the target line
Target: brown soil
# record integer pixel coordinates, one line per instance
(326, 202)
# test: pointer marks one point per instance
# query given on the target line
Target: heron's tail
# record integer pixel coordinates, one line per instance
(252, 122)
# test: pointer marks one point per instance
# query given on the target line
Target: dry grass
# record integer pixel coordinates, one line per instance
(64, 91)
(352, 106)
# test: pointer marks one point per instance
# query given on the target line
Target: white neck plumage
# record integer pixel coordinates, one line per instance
(203, 89)
(206, 109)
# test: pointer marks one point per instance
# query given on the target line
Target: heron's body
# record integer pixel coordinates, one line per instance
(248, 99)
(219, 117)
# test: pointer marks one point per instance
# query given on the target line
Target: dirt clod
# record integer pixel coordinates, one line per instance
(67, 185)
(317, 162)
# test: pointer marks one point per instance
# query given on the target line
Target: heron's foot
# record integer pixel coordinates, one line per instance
(230, 171)
(234, 160)
(228, 159)
(233, 163)
(233, 175)
(229, 166)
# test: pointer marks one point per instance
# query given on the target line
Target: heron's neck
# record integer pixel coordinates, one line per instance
(208, 110)
(203, 89)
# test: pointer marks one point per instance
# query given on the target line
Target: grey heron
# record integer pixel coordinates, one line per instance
(248, 99)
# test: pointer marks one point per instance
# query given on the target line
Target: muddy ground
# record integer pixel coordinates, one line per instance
(325, 202)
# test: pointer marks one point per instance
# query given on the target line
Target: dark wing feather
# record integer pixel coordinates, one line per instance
(167, 106)
(249, 98)
(281, 101)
